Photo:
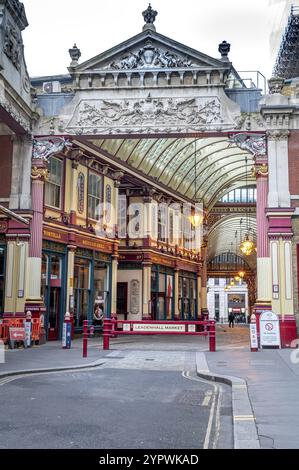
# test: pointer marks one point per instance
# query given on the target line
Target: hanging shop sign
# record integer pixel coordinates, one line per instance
(269, 330)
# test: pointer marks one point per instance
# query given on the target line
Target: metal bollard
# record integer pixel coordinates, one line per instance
(212, 336)
(67, 332)
(85, 337)
(28, 329)
(106, 334)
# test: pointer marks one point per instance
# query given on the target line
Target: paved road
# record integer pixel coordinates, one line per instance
(136, 399)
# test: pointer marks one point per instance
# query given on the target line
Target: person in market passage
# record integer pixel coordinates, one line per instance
(98, 316)
(231, 319)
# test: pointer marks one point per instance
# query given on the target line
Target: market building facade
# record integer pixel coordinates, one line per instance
(127, 150)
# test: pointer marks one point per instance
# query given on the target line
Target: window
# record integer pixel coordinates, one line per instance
(162, 222)
(171, 227)
(122, 216)
(94, 196)
(54, 183)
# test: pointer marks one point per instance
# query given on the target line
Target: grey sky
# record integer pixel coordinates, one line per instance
(97, 25)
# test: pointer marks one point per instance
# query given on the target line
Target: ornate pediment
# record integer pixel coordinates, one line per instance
(147, 51)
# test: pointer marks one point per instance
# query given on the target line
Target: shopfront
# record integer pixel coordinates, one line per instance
(162, 288)
(53, 285)
(92, 271)
(187, 296)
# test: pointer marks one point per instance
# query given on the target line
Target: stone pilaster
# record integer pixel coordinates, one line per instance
(146, 290)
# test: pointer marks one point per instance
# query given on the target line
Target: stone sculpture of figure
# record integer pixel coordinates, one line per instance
(149, 15)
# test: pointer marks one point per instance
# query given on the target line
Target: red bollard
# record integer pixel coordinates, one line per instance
(106, 334)
(85, 337)
(212, 336)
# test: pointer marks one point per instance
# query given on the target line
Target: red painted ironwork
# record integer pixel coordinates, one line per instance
(199, 328)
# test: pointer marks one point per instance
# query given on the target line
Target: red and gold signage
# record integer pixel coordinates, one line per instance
(52, 234)
(157, 259)
(131, 257)
(99, 245)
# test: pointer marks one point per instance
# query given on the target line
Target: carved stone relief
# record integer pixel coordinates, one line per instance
(150, 56)
(12, 44)
(150, 114)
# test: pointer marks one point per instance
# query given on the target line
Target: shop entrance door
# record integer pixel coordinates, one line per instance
(52, 273)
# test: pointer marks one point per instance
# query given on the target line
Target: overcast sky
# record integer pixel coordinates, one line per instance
(97, 25)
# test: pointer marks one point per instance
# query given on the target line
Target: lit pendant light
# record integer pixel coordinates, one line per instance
(241, 274)
(247, 247)
(237, 278)
(195, 218)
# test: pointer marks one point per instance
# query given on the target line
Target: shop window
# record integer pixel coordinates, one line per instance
(94, 196)
(53, 185)
(100, 287)
(81, 290)
(171, 227)
(2, 278)
(187, 296)
(162, 222)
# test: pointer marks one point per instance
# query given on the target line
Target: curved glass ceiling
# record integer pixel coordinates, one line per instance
(220, 165)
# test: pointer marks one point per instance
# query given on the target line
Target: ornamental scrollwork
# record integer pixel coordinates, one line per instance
(149, 111)
(253, 143)
(150, 56)
(43, 149)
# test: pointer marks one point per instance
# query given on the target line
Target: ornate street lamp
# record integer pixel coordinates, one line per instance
(247, 246)
(195, 218)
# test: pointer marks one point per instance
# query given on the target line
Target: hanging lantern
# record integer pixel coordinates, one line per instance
(196, 219)
(241, 274)
(247, 246)
(232, 282)
(237, 278)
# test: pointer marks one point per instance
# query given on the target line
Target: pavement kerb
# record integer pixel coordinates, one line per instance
(51, 369)
(244, 425)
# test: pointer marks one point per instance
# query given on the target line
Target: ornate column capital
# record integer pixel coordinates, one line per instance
(278, 134)
(260, 169)
(39, 173)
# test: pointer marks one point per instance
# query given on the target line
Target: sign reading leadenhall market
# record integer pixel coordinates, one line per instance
(148, 84)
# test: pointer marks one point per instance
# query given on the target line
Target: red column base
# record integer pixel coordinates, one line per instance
(288, 331)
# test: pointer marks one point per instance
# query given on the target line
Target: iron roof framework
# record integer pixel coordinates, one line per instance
(287, 62)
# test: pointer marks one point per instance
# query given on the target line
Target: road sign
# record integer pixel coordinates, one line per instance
(269, 330)
(17, 334)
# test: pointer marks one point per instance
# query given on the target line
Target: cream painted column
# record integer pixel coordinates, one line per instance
(199, 295)
(70, 278)
(146, 290)
(282, 275)
(15, 290)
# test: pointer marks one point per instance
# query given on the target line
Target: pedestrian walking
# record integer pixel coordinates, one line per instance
(231, 319)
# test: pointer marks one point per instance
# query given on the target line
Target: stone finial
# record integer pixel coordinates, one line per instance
(149, 16)
(275, 85)
(75, 54)
(224, 49)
